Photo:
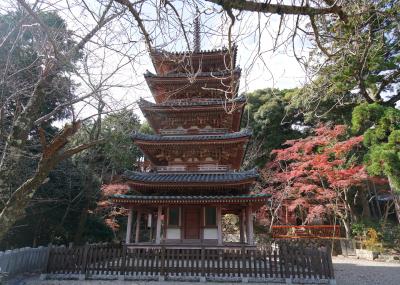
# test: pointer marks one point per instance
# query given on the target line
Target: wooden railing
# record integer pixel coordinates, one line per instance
(171, 168)
(193, 131)
(307, 231)
(94, 261)
(213, 167)
(200, 167)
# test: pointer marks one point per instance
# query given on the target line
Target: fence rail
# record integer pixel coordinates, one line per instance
(283, 262)
(306, 231)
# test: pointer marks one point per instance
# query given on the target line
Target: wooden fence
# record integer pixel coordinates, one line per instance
(94, 261)
(13, 262)
(306, 231)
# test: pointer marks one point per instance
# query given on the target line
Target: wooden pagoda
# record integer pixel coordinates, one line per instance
(195, 155)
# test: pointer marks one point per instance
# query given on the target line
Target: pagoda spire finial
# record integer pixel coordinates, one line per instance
(196, 36)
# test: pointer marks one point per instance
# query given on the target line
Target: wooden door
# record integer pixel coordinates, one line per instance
(192, 223)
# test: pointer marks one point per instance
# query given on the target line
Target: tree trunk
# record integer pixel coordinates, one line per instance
(396, 199)
(87, 194)
(52, 154)
(15, 206)
(366, 212)
(347, 228)
(89, 185)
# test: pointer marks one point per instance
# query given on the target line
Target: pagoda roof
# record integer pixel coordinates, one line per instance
(191, 199)
(209, 137)
(210, 75)
(174, 59)
(189, 183)
(212, 116)
(192, 177)
(189, 86)
(191, 103)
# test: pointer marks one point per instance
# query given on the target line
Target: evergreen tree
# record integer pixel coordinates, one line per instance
(380, 126)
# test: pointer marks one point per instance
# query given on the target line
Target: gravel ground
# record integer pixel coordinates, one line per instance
(349, 271)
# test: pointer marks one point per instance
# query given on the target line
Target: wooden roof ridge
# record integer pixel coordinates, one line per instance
(192, 177)
(143, 103)
(186, 137)
(211, 74)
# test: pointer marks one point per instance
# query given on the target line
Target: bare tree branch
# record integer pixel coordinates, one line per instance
(280, 8)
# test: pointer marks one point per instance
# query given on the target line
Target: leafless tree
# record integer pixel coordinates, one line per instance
(95, 34)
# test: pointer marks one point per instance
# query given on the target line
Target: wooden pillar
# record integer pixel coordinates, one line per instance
(202, 223)
(129, 227)
(139, 213)
(249, 222)
(166, 222)
(242, 225)
(158, 229)
(219, 225)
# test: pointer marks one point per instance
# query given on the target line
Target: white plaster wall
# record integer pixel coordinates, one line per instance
(173, 233)
(210, 233)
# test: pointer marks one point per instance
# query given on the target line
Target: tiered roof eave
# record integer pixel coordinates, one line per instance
(224, 150)
(210, 75)
(213, 116)
(176, 139)
(174, 59)
(189, 183)
(183, 104)
(197, 86)
(255, 199)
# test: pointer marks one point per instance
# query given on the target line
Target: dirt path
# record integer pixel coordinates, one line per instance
(350, 271)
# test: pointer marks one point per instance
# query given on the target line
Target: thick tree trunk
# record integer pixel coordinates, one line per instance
(396, 199)
(366, 211)
(53, 153)
(15, 206)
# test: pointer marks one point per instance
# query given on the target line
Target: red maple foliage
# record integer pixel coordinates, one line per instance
(106, 208)
(312, 175)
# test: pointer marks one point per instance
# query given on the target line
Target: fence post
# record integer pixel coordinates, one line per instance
(203, 266)
(46, 264)
(121, 275)
(330, 264)
(244, 265)
(283, 260)
(161, 277)
(82, 275)
(162, 265)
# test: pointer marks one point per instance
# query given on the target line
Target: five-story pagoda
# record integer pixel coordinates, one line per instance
(195, 154)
